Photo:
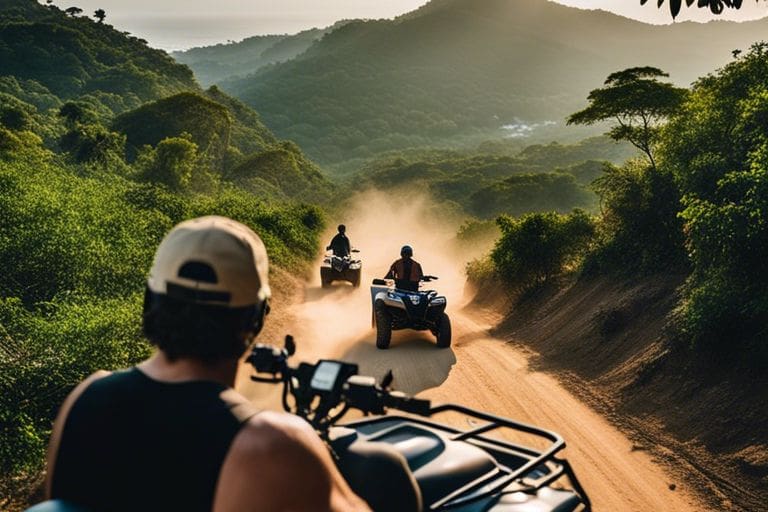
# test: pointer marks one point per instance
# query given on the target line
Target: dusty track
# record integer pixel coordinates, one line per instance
(477, 370)
(493, 376)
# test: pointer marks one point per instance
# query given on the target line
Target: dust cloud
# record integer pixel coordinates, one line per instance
(336, 322)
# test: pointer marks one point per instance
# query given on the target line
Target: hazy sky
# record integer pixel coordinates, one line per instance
(178, 24)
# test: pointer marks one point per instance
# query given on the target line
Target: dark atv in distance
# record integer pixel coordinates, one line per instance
(340, 268)
(395, 307)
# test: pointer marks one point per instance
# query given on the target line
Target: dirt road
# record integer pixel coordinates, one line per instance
(490, 375)
(477, 371)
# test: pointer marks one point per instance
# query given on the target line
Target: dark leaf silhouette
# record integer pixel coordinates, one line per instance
(715, 6)
(674, 7)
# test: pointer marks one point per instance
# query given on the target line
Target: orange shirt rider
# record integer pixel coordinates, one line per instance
(406, 271)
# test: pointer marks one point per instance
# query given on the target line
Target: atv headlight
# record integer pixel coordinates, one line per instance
(394, 296)
(437, 301)
(355, 266)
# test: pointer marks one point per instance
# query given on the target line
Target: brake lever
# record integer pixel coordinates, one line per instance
(267, 380)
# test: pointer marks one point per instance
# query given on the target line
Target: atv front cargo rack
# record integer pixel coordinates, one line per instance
(489, 485)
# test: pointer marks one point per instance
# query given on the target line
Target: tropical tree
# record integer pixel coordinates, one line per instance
(95, 144)
(172, 162)
(100, 14)
(73, 11)
(637, 101)
(74, 113)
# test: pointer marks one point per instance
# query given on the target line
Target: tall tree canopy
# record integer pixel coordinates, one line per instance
(637, 101)
(73, 11)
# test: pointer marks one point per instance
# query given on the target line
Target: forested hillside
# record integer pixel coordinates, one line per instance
(497, 178)
(105, 144)
(679, 243)
(214, 64)
(458, 69)
(695, 204)
(51, 54)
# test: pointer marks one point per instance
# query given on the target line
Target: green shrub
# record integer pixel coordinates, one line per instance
(480, 270)
(726, 304)
(640, 230)
(44, 353)
(540, 246)
(75, 247)
(172, 162)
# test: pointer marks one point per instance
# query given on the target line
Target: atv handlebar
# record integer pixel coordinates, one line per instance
(320, 389)
(388, 281)
(324, 392)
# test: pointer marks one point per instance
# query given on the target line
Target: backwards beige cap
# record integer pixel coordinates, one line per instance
(211, 260)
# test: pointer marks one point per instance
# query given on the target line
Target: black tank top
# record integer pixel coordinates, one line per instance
(133, 443)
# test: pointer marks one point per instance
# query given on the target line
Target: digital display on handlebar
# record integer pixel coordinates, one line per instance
(325, 375)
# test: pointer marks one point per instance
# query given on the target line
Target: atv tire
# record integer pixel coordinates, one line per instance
(383, 326)
(325, 279)
(443, 331)
(356, 279)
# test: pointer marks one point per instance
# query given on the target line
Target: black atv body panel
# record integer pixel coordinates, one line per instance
(337, 268)
(439, 461)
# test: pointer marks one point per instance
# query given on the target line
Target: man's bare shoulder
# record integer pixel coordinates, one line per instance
(271, 431)
(270, 454)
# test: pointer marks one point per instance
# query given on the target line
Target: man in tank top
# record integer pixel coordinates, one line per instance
(171, 433)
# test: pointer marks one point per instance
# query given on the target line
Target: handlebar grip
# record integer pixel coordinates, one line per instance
(405, 403)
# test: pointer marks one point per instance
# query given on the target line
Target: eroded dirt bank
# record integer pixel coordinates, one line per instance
(607, 341)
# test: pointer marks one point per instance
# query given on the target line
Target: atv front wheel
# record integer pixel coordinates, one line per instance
(443, 331)
(356, 279)
(325, 278)
(383, 326)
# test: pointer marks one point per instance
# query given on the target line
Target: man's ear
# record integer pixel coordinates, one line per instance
(259, 315)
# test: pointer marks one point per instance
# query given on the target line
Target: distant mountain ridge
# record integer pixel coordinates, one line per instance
(463, 68)
(213, 64)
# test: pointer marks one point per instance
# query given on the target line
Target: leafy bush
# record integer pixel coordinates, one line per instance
(75, 247)
(540, 246)
(517, 195)
(717, 149)
(726, 304)
(172, 162)
(480, 271)
(46, 351)
(640, 229)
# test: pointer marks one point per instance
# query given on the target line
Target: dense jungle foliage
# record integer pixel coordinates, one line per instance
(698, 207)
(499, 177)
(105, 144)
